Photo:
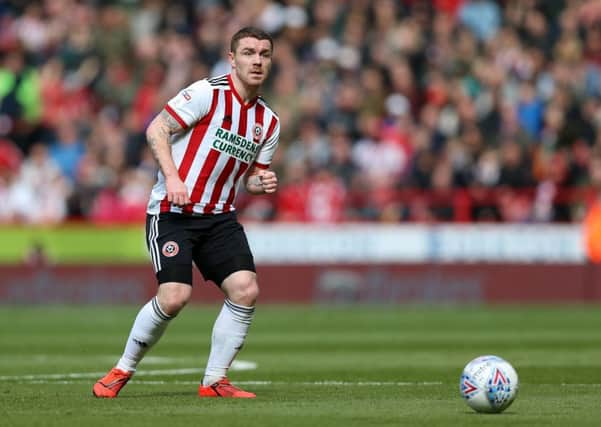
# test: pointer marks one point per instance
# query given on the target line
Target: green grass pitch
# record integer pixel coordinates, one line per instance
(310, 366)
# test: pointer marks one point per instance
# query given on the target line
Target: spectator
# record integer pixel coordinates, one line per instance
(68, 149)
(483, 17)
(40, 190)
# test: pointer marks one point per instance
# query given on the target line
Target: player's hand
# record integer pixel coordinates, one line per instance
(177, 192)
(269, 181)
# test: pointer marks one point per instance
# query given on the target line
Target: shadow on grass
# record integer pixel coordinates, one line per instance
(183, 393)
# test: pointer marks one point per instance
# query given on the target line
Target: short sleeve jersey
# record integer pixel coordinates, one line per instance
(223, 137)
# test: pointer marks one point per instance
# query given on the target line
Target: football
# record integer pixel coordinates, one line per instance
(489, 384)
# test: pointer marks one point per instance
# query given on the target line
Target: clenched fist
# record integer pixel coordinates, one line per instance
(269, 181)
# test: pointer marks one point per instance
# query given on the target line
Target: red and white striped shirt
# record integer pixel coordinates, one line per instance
(223, 137)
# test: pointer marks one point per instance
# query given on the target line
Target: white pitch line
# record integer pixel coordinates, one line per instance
(263, 383)
(238, 365)
(580, 385)
(49, 358)
(28, 380)
(76, 375)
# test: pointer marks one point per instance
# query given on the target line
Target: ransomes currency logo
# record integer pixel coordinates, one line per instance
(235, 145)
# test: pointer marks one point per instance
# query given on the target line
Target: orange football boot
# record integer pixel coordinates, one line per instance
(223, 388)
(111, 384)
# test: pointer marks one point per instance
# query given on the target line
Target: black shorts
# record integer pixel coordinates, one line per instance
(215, 243)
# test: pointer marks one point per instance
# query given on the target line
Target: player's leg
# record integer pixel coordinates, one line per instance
(151, 322)
(232, 324)
(227, 261)
(229, 333)
(175, 280)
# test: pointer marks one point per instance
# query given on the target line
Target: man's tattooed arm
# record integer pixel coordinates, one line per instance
(161, 129)
(158, 135)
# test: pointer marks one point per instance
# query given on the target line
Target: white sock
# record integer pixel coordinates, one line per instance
(229, 333)
(148, 327)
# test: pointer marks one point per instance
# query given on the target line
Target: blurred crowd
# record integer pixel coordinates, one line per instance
(406, 110)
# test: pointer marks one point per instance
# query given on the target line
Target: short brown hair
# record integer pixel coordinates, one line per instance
(249, 32)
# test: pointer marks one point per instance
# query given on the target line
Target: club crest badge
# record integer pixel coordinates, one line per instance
(257, 132)
(170, 249)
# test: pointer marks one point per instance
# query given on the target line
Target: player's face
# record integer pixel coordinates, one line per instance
(252, 60)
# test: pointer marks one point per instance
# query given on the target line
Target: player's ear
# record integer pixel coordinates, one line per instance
(230, 56)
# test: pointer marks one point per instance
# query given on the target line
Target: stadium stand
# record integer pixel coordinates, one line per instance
(392, 111)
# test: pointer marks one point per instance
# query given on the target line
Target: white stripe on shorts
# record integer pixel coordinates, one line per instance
(153, 245)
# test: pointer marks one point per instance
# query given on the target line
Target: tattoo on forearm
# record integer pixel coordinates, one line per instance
(152, 143)
(171, 125)
(161, 129)
(159, 132)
